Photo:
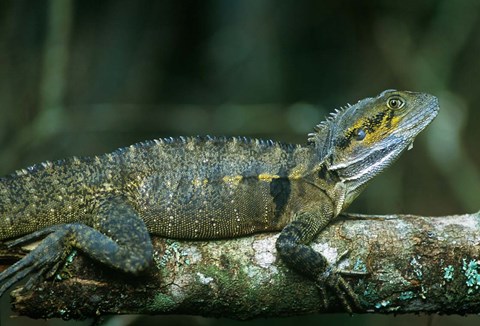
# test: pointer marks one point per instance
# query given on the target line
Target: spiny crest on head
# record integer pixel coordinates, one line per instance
(322, 129)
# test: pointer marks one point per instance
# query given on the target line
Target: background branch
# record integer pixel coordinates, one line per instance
(414, 264)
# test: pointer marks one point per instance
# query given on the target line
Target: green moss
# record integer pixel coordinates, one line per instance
(70, 257)
(360, 266)
(171, 251)
(240, 289)
(417, 268)
(162, 302)
(449, 272)
(382, 304)
(65, 271)
(471, 273)
(370, 293)
(220, 275)
(406, 295)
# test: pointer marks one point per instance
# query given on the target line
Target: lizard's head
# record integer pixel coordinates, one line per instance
(359, 141)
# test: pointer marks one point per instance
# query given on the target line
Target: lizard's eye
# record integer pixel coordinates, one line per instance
(360, 134)
(395, 102)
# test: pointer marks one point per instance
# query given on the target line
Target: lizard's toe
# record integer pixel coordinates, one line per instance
(322, 291)
(40, 262)
(332, 280)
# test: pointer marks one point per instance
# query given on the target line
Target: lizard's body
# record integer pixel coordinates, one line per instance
(207, 188)
(206, 194)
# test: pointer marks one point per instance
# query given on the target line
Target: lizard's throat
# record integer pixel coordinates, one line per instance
(356, 173)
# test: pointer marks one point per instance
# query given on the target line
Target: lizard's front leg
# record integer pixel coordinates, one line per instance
(117, 237)
(292, 245)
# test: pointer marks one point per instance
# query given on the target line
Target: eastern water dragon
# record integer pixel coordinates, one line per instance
(208, 188)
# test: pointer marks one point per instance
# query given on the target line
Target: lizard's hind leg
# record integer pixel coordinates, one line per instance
(118, 238)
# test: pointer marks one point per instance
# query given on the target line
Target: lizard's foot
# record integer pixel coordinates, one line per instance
(332, 279)
(42, 262)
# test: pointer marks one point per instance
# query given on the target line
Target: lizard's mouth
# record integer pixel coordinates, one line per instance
(417, 122)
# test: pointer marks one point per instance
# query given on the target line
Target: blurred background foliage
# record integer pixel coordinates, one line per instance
(85, 77)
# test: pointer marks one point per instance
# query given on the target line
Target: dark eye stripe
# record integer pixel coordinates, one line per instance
(369, 126)
(374, 122)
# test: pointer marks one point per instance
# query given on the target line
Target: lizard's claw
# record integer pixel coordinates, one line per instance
(332, 280)
(42, 261)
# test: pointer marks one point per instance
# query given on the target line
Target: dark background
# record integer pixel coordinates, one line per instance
(85, 77)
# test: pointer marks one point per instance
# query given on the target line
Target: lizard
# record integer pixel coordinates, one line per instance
(205, 188)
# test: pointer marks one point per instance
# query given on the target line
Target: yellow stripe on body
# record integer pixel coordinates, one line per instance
(267, 177)
(199, 182)
(232, 179)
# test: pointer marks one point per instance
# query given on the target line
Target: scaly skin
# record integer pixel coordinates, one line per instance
(208, 188)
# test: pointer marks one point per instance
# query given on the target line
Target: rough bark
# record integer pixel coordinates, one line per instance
(413, 264)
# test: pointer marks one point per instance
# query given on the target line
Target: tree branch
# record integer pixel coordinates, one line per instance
(414, 264)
